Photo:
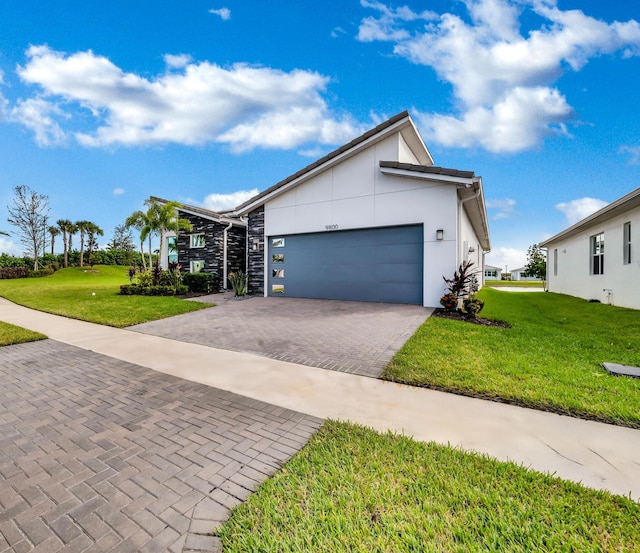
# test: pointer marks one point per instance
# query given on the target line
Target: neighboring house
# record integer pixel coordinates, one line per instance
(374, 220)
(578, 263)
(492, 273)
(519, 274)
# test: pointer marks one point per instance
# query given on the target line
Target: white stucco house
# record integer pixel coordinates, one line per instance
(492, 273)
(519, 274)
(374, 220)
(579, 264)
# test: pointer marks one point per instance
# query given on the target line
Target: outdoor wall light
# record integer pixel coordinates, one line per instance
(439, 234)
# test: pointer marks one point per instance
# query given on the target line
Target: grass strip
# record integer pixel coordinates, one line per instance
(11, 334)
(351, 489)
(93, 295)
(549, 359)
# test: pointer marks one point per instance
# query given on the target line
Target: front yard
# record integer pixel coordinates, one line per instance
(549, 359)
(92, 295)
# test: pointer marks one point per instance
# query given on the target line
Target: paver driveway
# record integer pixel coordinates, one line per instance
(103, 455)
(348, 336)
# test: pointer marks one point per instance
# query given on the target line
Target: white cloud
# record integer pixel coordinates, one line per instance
(9, 247)
(177, 61)
(118, 191)
(635, 154)
(195, 103)
(576, 210)
(503, 208)
(39, 115)
(510, 258)
(223, 202)
(502, 81)
(224, 13)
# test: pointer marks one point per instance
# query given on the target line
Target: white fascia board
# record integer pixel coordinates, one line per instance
(226, 220)
(329, 163)
(427, 176)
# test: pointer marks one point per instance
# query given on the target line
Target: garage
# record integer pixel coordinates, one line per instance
(376, 264)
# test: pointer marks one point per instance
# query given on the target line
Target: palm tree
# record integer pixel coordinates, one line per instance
(72, 230)
(53, 231)
(92, 231)
(163, 218)
(138, 220)
(82, 226)
(65, 227)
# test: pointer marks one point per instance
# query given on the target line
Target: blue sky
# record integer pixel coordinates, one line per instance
(209, 101)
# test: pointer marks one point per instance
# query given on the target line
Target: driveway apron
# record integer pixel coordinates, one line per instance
(353, 337)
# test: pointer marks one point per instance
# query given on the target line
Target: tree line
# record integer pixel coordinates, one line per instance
(29, 213)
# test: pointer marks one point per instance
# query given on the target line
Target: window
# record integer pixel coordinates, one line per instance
(277, 288)
(172, 249)
(277, 273)
(555, 262)
(197, 240)
(277, 242)
(277, 258)
(626, 243)
(197, 266)
(597, 254)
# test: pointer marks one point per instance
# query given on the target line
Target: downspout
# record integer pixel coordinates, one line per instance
(224, 255)
(246, 252)
(459, 229)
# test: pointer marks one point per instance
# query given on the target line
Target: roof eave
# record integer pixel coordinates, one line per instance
(627, 202)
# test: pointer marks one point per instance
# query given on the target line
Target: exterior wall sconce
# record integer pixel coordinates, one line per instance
(440, 234)
(472, 249)
(255, 245)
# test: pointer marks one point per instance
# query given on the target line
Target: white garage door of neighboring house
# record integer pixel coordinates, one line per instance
(378, 264)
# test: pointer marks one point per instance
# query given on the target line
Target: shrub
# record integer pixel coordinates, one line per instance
(47, 271)
(201, 283)
(472, 306)
(159, 290)
(238, 282)
(449, 302)
(14, 272)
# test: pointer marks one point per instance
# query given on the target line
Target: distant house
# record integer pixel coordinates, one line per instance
(578, 263)
(374, 220)
(519, 274)
(492, 273)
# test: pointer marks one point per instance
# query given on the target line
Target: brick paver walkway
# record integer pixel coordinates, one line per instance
(348, 336)
(102, 455)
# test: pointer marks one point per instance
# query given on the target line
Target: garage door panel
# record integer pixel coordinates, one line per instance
(380, 264)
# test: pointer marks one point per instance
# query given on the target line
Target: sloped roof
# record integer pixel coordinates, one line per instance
(431, 169)
(622, 205)
(256, 201)
(217, 216)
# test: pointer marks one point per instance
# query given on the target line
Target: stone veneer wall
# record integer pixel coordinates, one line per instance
(256, 257)
(212, 254)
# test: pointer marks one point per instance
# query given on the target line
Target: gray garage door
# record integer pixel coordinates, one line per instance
(381, 264)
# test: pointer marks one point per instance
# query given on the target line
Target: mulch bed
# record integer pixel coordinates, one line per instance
(460, 316)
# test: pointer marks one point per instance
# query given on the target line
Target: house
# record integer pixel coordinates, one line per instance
(216, 243)
(492, 273)
(520, 274)
(578, 264)
(374, 220)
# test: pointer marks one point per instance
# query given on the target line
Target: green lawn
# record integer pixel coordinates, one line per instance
(70, 292)
(550, 359)
(351, 489)
(11, 334)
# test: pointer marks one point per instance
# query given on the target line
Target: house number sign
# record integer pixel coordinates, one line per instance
(331, 227)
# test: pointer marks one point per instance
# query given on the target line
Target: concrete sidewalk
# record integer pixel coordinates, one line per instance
(598, 455)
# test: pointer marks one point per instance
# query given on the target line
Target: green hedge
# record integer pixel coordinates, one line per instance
(201, 283)
(135, 290)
